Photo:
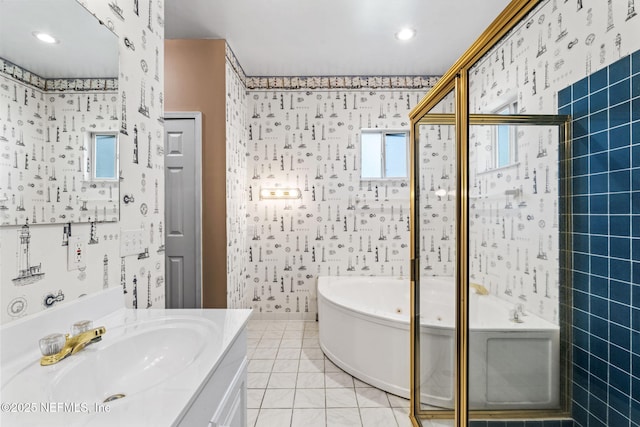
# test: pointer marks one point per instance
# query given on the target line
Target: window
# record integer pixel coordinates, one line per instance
(506, 152)
(384, 154)
(103, 164)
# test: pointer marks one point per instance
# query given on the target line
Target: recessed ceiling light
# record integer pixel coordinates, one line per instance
(406, 34)
(44, 37)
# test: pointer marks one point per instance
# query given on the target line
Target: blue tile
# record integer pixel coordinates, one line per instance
(598, 121)
(580, 127)
(599, 80)
(600, 266)
(565, 110)
(581, 204)
(635, 201)
(580, 108)
(621, 69)
(580, 320)
(620, 291)
(635, 298)
(635, 225)
(635, 109)
(635, 86)
(635, 249)
(597, 101)
(620, 336)
(635, 62)
(581, 242)
(598, 341)
(580, 416)
(599, 224)
(619, 225)
(620, 92)
(580, 395)
(581, 223)
(620, 181)
(600, 308)
(599, 183)
(620, 270)
(635, 390)
(620, 247)
(635, 324)
(635, 132)
(598, 203)
(580, 166)
(617, 419)
(581, 184)
(620, 136)
(600, 286)
(620, 158)
(597, 407)
(619, 379)
(635, 179)
(581, 262)
(619, 203)
(580, 88)
(620, 357)
(599, 162)
(597, 420)
(620, 114)
(598, 142)
(580, 146)
(599, 245)
(635, 408)
(635, 156)
(581, 339)
(598, 388)
(564, 96)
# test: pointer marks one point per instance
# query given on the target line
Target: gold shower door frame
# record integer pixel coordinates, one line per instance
(461, 413)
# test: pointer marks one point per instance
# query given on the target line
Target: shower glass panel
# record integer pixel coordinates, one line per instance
(434, 163)
(515, 279)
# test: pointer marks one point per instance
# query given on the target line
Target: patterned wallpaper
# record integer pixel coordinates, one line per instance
(237, 133)
(140, 27)
(341, 225)
(45, 156)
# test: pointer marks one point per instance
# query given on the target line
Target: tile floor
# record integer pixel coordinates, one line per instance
(291, 383)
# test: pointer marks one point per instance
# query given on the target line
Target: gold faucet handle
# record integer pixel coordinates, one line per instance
(480, 290)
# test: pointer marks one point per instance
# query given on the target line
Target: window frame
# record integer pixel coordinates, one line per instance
(92, 158)
(383, 156)
(508, 108)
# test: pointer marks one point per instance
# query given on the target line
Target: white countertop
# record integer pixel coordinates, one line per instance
(29, 399)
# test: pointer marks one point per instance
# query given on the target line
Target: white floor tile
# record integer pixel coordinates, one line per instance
(312, 354)
(288, 353)
(285, 365)
(295, 325)
(372, 398)
(264, 353)
(278, 398)
(259, 365)
(310, 342)
(397, 401)
(377, 417)
(274, 418)
(330, 367)
(338, 380)
(360, 384)
(282, 380)
(252, 416)
(308, 418)
(291, 343)
(272, 335)
(309, 398)
(269, 343)
(402, 417)
(343, 417)
(254, 398)
(311, 366)
(257, 379)
(341, 398)
(310, 380)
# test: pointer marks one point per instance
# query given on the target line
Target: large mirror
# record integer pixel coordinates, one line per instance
(59, 114)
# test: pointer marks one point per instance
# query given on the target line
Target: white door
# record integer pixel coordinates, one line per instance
(182, 212)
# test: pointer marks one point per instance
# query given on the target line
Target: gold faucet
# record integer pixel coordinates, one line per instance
(480, 290)
(74, 344)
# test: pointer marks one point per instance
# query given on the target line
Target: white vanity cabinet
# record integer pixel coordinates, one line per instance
(222, 400)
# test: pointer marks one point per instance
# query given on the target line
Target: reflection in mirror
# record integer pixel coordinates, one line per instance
(57, 91)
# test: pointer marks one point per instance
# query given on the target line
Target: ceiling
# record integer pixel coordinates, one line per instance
(335, 37)
(86, 48)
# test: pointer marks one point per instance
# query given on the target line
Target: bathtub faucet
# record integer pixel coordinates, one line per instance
(480, 290)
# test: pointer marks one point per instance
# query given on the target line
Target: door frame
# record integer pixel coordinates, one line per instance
(196, 116)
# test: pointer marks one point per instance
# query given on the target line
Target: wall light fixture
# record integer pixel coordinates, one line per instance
(280, 193)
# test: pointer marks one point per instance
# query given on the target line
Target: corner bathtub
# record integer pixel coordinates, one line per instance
(364, 329)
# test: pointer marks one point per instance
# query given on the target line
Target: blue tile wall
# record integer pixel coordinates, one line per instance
(605, 109)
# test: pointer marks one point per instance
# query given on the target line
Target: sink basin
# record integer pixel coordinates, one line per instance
(131, 363)
(129, 360)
